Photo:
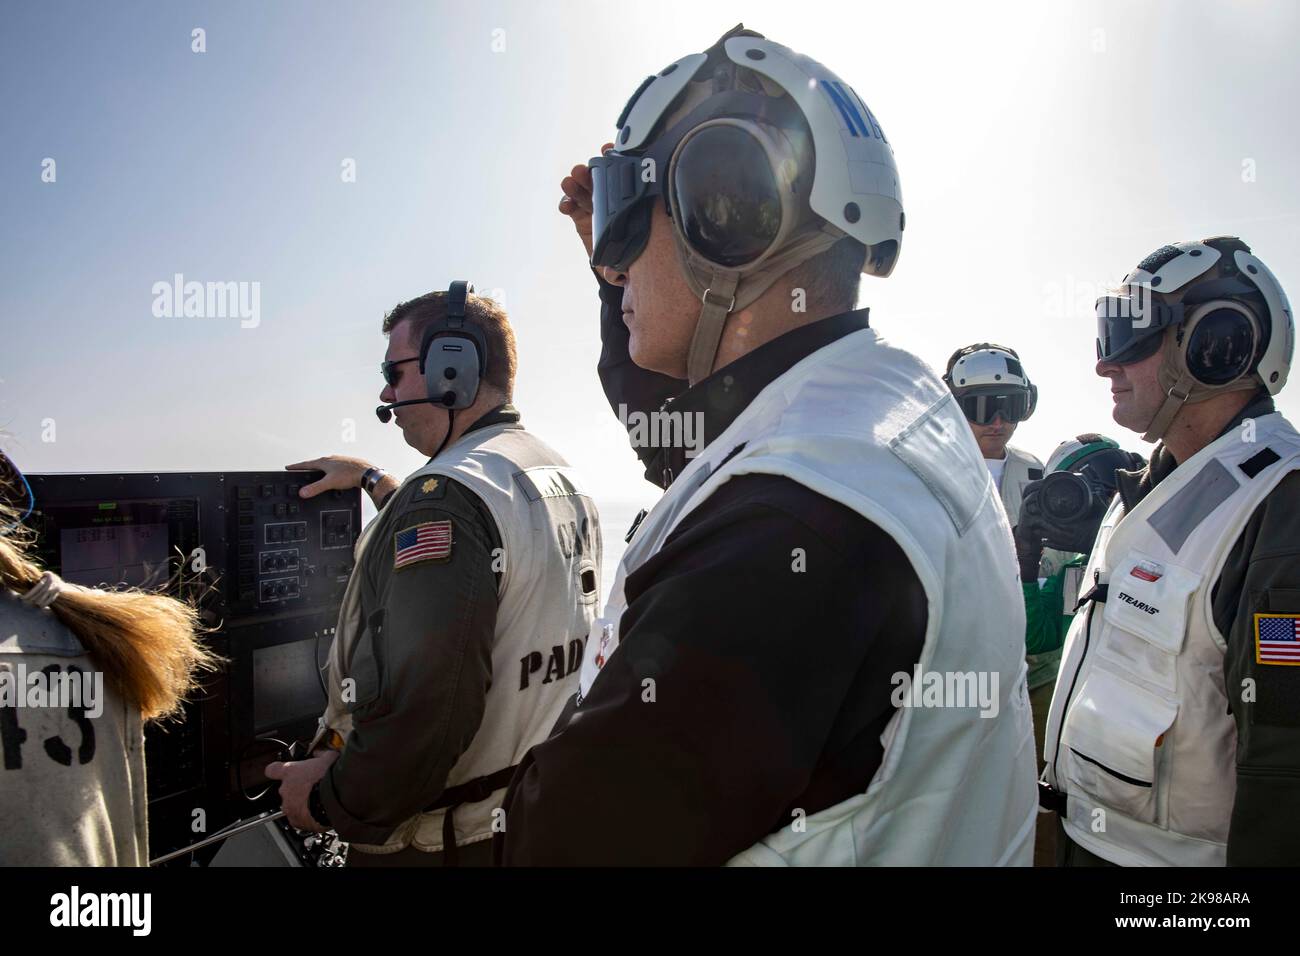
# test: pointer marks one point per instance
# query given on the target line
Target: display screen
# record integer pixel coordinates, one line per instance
(286, 684)
(134, 555)
(114, 543)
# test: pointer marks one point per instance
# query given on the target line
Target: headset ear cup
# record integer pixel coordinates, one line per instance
(1033, 401)
(452, 366)
(729, 212)
(1220, 344)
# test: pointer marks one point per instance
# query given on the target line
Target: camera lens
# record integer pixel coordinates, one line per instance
(1065, 497)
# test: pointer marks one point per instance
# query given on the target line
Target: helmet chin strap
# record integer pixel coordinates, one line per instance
(723, 291)
(719, 300)
(1175, 398)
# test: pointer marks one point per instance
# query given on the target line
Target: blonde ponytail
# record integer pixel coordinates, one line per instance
(146, 644)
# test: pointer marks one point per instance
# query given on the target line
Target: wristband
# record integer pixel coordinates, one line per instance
(370, 477)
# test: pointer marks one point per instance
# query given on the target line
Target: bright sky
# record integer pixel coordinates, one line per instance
(1043, 149)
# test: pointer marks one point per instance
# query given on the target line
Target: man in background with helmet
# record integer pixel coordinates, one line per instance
(1174, 734)
(1059, 517)
(735, 695)
(996, 395)
(462, 624)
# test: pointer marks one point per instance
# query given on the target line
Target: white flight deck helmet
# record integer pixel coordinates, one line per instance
(763, 158)
(988, 380)
(1217, 312)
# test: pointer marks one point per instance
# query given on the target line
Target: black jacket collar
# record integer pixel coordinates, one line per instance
(721, 397)
(504, 412)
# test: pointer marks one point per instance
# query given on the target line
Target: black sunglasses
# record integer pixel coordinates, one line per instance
(389, 369)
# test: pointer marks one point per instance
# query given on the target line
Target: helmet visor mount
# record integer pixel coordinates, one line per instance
(982, 404)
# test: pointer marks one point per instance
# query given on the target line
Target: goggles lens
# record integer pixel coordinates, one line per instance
(982, 408)
(1129, 327)
(620, 218)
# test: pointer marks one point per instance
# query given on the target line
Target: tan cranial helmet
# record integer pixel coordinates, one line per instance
(1215, 312)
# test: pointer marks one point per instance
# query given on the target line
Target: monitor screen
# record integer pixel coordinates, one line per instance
(134, 555)
(114, 543)
(286, 684)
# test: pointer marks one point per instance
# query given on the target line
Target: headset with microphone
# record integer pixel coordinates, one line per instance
(453, 359)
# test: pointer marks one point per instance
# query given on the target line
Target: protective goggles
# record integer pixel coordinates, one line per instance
(621, 202)
(982, 406)
(1130, 327)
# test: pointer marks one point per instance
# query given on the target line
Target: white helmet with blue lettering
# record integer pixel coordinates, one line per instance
(763, 158)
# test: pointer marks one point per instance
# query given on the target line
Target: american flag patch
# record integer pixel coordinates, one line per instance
(430, 541)
(1277, 638)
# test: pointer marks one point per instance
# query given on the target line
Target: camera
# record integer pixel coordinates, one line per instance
(1066, 497)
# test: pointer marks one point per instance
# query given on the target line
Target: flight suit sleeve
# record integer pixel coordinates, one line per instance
(1043, 610)
(423, 663)
(625, 383)
(1262, 577)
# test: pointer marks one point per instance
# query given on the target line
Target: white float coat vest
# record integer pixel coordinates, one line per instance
(72, 786)
(547, 599)
(1146, 752)
(870, 426)
(1015, 475)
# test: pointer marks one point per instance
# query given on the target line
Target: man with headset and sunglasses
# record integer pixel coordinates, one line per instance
(740, 697)
(462, 624)
(1174, 732)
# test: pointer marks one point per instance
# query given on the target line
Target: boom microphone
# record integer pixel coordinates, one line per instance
(385, 412)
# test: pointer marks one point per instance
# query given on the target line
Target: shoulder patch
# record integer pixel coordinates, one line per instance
(1253, 465)
(1277, 639)
(428, 541)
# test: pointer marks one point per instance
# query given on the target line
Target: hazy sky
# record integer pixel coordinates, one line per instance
(1043, 150)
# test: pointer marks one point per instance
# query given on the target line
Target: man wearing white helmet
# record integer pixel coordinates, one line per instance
(1174, 733)
(740, 698)
(996, 395)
